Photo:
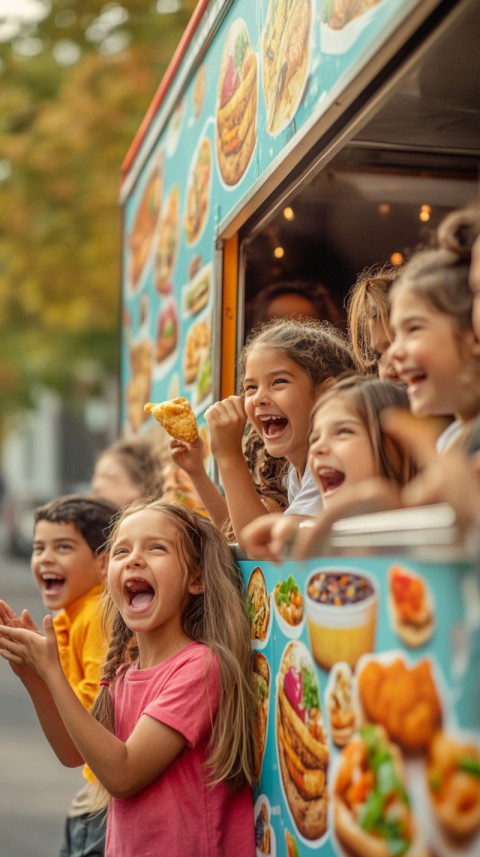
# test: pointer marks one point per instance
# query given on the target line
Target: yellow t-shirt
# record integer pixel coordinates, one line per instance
(82, 648)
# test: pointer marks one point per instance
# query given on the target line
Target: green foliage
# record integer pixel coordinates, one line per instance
(65, 128)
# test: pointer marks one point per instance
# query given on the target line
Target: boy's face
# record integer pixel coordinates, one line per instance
(63, 564)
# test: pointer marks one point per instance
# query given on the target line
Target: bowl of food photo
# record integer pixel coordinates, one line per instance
(341, 609)
(288, 603)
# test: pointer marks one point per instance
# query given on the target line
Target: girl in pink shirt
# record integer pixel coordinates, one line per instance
(170, 735)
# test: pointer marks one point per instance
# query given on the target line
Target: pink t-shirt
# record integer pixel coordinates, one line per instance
(178, 814)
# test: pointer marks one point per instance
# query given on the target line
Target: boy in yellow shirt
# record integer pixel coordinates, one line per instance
(69, 564)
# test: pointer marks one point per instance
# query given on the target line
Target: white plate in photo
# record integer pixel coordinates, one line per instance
(288, 629)
(268, 846)
(339, 41)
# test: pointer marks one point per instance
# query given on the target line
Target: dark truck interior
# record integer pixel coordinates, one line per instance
(384, 194)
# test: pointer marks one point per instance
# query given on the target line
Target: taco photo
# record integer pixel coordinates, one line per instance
(196, 294)
(167, 242)
(198, 191)
(237, 97)
(285, 59)
(141, 234)
(258, 605)
(371, 807)
(302, 747)
(411, 607)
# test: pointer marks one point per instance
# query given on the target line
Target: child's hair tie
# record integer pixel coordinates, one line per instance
(104, 682)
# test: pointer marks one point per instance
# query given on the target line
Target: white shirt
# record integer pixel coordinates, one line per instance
(303, 496)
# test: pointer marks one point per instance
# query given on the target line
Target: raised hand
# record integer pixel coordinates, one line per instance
(10, 619)
(188, 456)
(226, 422)
(27, 648)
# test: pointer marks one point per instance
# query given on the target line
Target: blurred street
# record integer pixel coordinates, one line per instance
(35, 789)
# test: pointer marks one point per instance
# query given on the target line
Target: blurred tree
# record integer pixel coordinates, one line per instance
(75, 86)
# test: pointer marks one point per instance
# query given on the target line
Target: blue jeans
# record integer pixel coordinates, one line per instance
(84, 835)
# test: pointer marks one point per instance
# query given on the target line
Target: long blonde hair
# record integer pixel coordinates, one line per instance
(368, 299)
(217, 618)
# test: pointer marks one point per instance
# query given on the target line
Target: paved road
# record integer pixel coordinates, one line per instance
(35, 789)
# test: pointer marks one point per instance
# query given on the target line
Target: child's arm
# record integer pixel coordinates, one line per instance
(371, 495)
(189, 456)
(226, 423)
(48, 716)
(122, 768)
(269, 537)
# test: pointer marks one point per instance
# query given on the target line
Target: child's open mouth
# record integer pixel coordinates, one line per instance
(413, 380)
(330, 479)
(52, 583)
(138, 593)
(273, 426)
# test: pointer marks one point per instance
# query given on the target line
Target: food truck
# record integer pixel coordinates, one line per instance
(303, 141)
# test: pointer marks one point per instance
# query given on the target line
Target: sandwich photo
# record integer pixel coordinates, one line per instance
(197, 293)
(261, 686)
(285, 59)
(236, 104)
(301, 742)
(411, 607)
(372, 812)
(453, 776)
(176, 417)
(258, 605)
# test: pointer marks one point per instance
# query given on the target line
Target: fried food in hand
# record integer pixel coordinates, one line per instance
(176, 417)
